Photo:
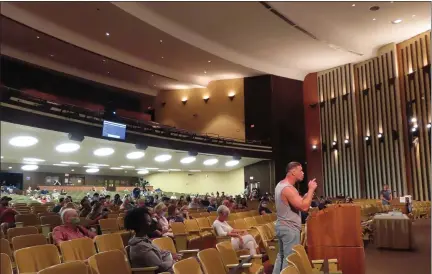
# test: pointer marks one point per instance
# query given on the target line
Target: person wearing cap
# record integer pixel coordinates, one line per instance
(7, 214)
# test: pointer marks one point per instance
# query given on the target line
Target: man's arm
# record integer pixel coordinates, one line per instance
(291, 195)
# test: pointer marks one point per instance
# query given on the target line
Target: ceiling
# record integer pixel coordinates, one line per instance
(238, 38)
(48, 140)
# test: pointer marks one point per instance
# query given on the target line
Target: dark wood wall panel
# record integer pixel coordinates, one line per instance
(380, 111)
(338, 123)
(414, 79)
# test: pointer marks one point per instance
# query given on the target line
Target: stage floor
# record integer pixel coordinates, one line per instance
(418, 261)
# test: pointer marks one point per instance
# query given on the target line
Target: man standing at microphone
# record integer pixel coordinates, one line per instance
(288, 206)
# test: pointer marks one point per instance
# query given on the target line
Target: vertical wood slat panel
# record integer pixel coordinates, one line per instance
(414, 77)
(340, 166)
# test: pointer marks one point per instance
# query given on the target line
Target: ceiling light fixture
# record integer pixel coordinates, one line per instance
(413, 120)
(135, 155)
(428, 125)
(60, 165)
(72, 169)
(105, 151)
(2, 157)
(209, 61)
(116, 168)
(397, 21)
(206, 98)
(143, 172)
(367, 138)
(34, 160)
(37, 37)
(314, 147)
(379, 135)
(107, 34)
(160, 41)
(127, 166)
(163, 170)
(162, 57)
(210, 162)
(152, 168)
(353, 5)
(194, 170)
(188, 160)
(23, 141)
(231, 163)
(10, 167)
(346, 141)
(205, 72)
(93, 164)
(67, 147)
(174, 169)
(92, 170)
(29, 167)
(69, 163)
(231, 95)
(374, 19)
(163, 158)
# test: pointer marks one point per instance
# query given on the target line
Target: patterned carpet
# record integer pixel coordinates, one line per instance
(417, 261)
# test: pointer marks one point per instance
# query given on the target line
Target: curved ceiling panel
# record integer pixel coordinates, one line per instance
(86, 24)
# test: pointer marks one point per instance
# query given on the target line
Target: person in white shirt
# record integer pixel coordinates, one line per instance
(240, 239)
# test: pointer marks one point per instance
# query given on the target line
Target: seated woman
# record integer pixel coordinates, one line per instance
(126, 205)
(239, 238)
(263, 208)
(85, 207)
(70, 229)
(160, 211)
(96, 213)
(174, 215)
(142, 252)
(185, 212)
(7, 214)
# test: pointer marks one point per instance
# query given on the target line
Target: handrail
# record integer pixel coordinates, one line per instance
(17, 97)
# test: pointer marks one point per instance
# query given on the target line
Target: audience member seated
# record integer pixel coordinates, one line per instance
(85, 207)
(59, 206)
(212, 206)
(243, 203)
(126, 205)
(70, 229)
(194, 203)
(117, 200)
(160, 211)
(63, 192)
(240, 239)
(185, 212)
(263, 208)
(166, 201)
(174, 215)
(96, 213)
(7, 214)
(142, 252)
(156, 229)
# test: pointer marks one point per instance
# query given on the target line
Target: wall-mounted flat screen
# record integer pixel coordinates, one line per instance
(114, 130)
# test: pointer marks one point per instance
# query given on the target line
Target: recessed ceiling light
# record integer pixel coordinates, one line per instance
(397, 21)
(163, 158)
(90, 166)
(188, 160)
(92, 170)
(10, 167)
(23, 141)
(72, 169)
(135, 155)
(108, 72)
(51, 55)
(162, 57)
(127, 166)
(69, 163)
(194, 170)
(29, 167)
(232, 163)
(143, 172)
(116, 168)
(107, 34)
(37, 37)
(67, 147)
(413, 15)
(2, 157)
(353, 5)
(60, 165)
(174, 169)
(374, 19)
(160, 41)
(210, 162)
(93, 164)
(105, 151)
(152, 168)
(209, 61)
(163, 170)
(152, 75)
(103, 60)
(205, 72)
(34, 160)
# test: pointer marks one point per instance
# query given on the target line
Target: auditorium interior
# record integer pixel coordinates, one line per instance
(153, 137)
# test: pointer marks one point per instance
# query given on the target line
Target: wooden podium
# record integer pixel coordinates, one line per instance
(396, 204)
(335, 233)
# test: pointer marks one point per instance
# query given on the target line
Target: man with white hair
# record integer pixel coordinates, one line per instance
(70, 229)
(239, 238)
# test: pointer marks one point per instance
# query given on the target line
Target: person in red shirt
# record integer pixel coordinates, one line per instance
(70, 229)
(7, 214)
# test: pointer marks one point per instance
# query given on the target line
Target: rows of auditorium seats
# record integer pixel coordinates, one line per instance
(86, 105)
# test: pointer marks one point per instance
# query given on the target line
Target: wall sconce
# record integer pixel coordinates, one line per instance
(184, 100)
(413, 120)
(163, 104)
(368, 140)
(395, 135)
(334, 145)
(206, 98)
(428, 126)
(314, 147)
(380, 137)
(231, 95)
(411, 76)
(347, 143)
(414, 131)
